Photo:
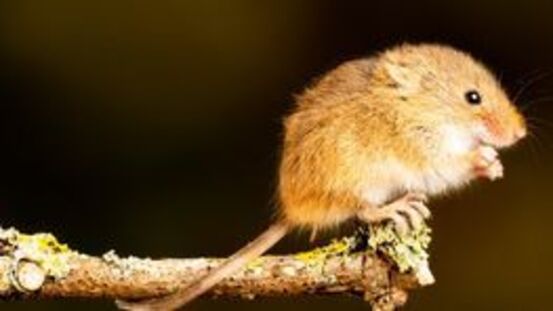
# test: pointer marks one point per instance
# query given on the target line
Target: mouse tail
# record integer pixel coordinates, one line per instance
(243, 256)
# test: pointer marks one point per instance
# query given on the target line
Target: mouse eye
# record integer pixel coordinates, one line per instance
(473, 97)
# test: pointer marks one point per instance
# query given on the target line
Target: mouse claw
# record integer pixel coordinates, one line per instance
(492, 172)
(406, 213)
(422, 209)
(401, 225)
(416, 197)
(487, 164)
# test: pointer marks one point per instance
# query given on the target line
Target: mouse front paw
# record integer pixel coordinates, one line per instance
(407, 213)
(486, 163)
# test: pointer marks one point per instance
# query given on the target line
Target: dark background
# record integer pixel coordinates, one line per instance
(153, 127)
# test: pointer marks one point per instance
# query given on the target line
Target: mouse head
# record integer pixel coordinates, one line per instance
(456, 89)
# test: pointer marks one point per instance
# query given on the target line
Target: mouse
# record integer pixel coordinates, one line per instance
(372, 140)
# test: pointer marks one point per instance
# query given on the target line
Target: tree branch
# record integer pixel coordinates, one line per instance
(37, 266)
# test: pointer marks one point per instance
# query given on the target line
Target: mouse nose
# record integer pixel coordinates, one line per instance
(520, 133)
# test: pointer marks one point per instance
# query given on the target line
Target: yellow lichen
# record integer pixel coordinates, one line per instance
(255, 264)
(255, 267)
(315, 259)
(42, 249)
(317, 255)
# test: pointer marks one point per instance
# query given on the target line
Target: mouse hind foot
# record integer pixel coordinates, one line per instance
(407, 213)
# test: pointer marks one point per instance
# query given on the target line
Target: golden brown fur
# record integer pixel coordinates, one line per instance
(367, 115)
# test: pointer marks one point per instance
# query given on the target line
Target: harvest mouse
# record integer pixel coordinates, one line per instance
(371, 139)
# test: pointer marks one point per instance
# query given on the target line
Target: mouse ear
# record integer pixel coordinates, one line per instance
(402, 76)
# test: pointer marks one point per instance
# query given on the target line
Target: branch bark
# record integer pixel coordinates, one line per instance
(29, 272)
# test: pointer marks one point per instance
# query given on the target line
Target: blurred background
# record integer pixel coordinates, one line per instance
(143, 125)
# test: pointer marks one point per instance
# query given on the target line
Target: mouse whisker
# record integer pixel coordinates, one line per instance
(533, 149)
(529, 104)
(536, 140)
(530, 83)
(537, 123)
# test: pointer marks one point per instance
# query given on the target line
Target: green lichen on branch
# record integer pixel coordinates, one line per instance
(408, 252)
(31, 259)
